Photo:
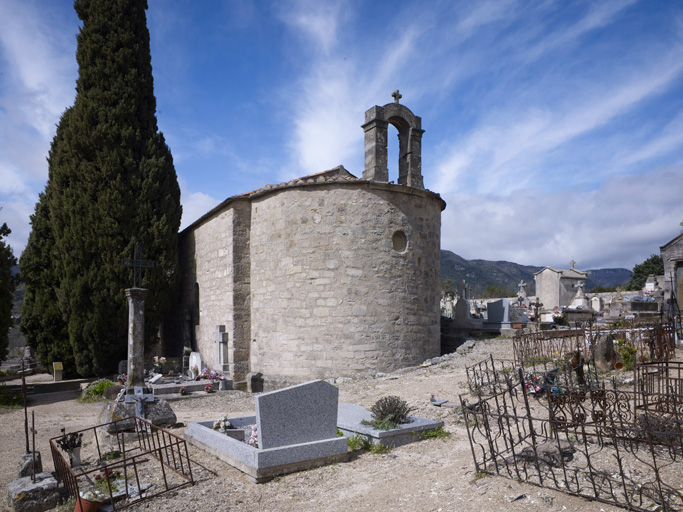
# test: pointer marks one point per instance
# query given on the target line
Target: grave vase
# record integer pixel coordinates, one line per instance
(75, 457)
(83, 505)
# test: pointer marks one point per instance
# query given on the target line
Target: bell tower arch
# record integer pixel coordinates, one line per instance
(409, 126)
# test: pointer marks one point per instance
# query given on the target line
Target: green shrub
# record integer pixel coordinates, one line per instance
(10, 398)
(95, 390)
(390, 411)
(358, 442)
(627, 353)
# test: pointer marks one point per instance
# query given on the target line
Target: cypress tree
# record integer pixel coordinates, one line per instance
(112, 184)
(7, 261)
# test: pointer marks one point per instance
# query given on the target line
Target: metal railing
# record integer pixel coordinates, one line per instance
(134, 465)
(591, 443)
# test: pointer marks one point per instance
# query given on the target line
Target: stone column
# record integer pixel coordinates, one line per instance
(375, 146)
(136, 337)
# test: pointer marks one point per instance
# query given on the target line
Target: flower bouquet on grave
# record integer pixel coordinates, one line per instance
(253, 438)
(194, 372)
(183, 391)
(222, 424)
(208, 388)
(159, 364)
(89, 501)
(122, 379)
(71, 444)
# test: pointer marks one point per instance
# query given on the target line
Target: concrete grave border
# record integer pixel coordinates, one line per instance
(349, 419)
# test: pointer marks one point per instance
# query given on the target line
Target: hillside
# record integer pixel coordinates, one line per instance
(482, 273)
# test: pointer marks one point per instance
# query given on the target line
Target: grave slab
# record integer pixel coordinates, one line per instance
(351, 416)
(297, 429)
(261, 465)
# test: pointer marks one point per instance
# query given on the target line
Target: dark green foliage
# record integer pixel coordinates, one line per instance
(448, 287)
(653, 265)
(10, 398)
(112, 184)
(390, 409)
(41, 316)
(7, 261)
(603, 289)
(497, 291)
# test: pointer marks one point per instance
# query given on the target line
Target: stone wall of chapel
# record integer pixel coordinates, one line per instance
(330, 295)
(206, 259)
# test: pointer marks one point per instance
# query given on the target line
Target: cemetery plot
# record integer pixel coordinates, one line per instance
(552, 423)
(650, 342)
(294, 428)
(124, 468)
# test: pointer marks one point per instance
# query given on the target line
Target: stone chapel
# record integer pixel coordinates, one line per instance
(322, 276)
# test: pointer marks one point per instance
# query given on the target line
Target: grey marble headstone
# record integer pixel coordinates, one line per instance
(499, 311)
(297, 414)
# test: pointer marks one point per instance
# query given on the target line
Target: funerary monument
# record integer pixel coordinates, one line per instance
(321, 276)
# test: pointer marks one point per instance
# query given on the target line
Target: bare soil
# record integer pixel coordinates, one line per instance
(431, 475)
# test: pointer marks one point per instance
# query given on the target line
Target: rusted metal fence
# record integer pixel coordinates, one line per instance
(156, 462)
(651, 342)
(656, 384)
(590, 443)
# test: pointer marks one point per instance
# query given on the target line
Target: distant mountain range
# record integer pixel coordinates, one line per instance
(479, 274)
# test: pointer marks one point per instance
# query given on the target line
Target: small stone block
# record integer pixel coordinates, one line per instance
(28, 496)
(26, 463)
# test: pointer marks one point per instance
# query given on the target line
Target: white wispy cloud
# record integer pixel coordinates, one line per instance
(628, 218)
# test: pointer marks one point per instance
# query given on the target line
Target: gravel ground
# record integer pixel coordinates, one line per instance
(431, 475)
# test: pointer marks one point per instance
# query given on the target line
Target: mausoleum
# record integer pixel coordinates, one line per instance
(321, 276)
(557, 288)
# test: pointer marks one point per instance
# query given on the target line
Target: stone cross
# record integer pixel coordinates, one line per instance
(221, 340)
(522, 287)
(138, 264)
(579, 286)
(139, 397)
(396, 95)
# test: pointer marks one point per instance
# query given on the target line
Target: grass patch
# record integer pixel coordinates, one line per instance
(436, 433)
(358, 442)
(379, 449)
(95, 390)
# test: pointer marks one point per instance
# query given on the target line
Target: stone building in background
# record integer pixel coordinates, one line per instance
(321, 276)
(557, 288)
(672, 256)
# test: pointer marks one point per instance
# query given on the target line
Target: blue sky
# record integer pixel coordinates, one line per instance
(554, 130)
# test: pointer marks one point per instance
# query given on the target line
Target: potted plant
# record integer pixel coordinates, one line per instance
(208, 388)
(89, 501)
(122, 379)
(71, 444)
(183, 391)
